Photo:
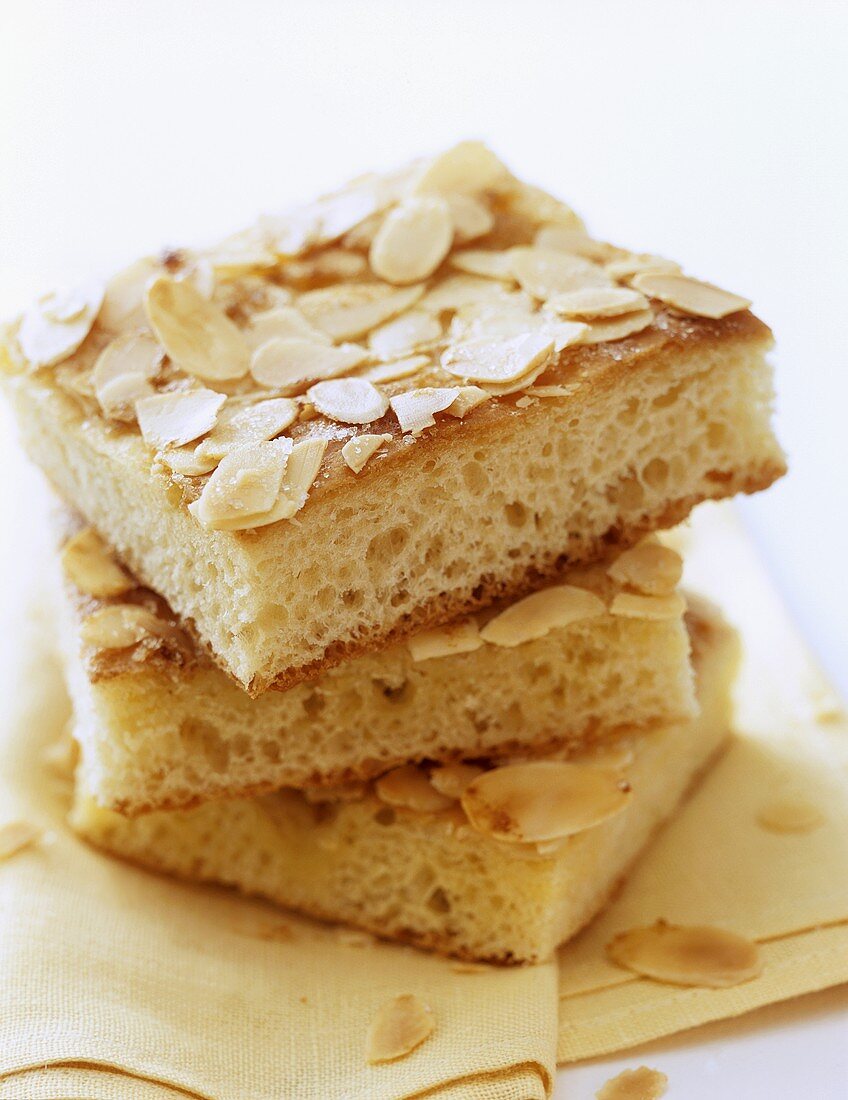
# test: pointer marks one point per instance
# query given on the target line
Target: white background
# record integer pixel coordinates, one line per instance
(713, 132)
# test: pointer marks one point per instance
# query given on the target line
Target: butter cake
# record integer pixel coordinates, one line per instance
(495, 863)
(386, 409)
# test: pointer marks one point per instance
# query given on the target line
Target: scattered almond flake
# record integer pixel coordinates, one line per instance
(362, 235)
(415, 409)
(17, 835)
(349, 400)
(199, 338)
(690, 295)
(118, 396)
(542, 800)
(122, 625)
(457, 291)
(600, 301)
(554, 391)
(633, 606)
(348, 312)
(536, 615)
(185, 461)
(451, 780)
(354, 937)
(244, 487)
(123, 372)
(511, 314)
(471, 219)
(615, 756)
(412, 241)
(649, 567)
(543, 272)
(201, 274)
(123, 303)
(301, 470)
(291, 363)
(497, 361)
(394, 372)
(564, 333)
(538, 206)
(404, 334)
(283, 323)
(89, 565)
(408, 788)
(466, 168)
(468, 398)
(55, 325)
(616, 328)
(444, 641)
(343, 210)
(469, 968)
(634, 1084)
(488, 264)
(701, 956)
(623, 269)
(172, 419)
(562, 238)
(525, 402)
(240, 256)
(400, 1026)
(790, 815)
(239, 425)
(360, 448)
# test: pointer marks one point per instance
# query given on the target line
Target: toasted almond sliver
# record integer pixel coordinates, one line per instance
(544, 272)
(134, 357)
(349, 400)
(650, 568)
(616, 328)
(400, 1026)
(394, 371)
(562, 238)
(701, 956)
(464, 169)
(301, 470)
(404, 334)
(451, 780)
(89, 566)
(445, 641)
(415, 409)
(598, 301)
(634, 1084)
(552, 608)
(412, 241)
(539, 207)
(200, 338)
(349, 311)
(409, 788)
(55, 325)
(542, 800)
(357, 451)
(290, 364)
(471, 219)
(118, 396)
(497, 361)
(123, 304)
(240, 425)
(690, 295)
(245, 485)
(283, 323)
(626, 267)
(468, 398)
(119, 626)
(172, 419)
(489, 264)
(15, 836)
(633, 606)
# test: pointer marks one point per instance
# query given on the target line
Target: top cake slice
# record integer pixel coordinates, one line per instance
(424, 392)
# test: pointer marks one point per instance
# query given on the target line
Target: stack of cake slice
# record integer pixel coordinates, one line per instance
(363, 610)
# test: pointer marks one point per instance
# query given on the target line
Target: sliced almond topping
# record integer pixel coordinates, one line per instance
(349, 400)
(89, 566)
(408, 788)
(15, 836)
(538, 206)
(301, 470)
(404, 334)
(123, 304)
(451, 780)
(123, 372)
(545, 272)
(488, 264)
(412, 241)
(240, 256)
(348, 312)
(200, 338)
(468, 398)
(633, 606)
(399, 1027)
(415, 409)
(634, 1084)
(615, 756)
(690, 295)
(393, 372)
(624, 268)
(360, 448)
(466, 168)
(650, 568)
(790, 815)
(542, 800)
(702, 956)
(457, 291)
(598, 301)
(290, 364)
(553, 391)
(56, 324)
(445, 641)
(562, 238)
(172, 419)
(283, 323)
(121, 625)
(536, 615)
(244, 487)
(471, 219)
(497, 361)
(118, 396)
(616, 328)
(239, 425)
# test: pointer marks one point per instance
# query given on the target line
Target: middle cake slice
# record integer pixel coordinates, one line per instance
(163, 727)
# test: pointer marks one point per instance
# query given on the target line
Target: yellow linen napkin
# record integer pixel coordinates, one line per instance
(716, 864)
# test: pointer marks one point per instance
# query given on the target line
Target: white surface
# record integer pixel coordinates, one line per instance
(711, 132)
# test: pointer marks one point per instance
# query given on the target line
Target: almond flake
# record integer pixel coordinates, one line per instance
(360, 448)
(700, 956)
(537, 615)
(623, 269)
(172, 419)
(415, 409)
(690, 295)
(554, 391)
(466, 168)
(301, 470)
(536, 205)
(650, 568)
(400, 1026)
(238, 426)
(658, 608)
(408, 788)
(199, 338)
(616, 328)
(348, 312)
(468, 398)
(118, 396)
(599, 301)
(457, 291)
(488, 264)
(393, 372)
(123, 304)
(412, 241)
(543, 272)
(283, 323)
(542, 800)
(452, 780)
(123, 372)
(349, 400)
(404, 334)
(445, 641)
(577, 242)
(634, 1084)
(497, 361)
(291, 363)
(615, 756)
(240, 256)
(15, 836)
(55, 325)
(120, 626)
(89, 566)
(244, 487)
(471, 219)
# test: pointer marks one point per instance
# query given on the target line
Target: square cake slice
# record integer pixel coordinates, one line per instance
(499, 864)
(420, 394)
(162, 726)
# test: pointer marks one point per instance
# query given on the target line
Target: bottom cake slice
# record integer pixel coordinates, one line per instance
(500, 864)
